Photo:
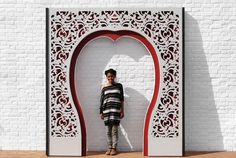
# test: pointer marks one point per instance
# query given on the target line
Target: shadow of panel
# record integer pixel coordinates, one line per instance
(202, 130)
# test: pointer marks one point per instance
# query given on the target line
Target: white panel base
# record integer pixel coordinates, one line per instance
(165, 147)
(67, 146)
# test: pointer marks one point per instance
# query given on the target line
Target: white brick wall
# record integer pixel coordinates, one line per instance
(210, 78)
(132, 62)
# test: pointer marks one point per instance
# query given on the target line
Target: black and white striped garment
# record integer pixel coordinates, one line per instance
(111, 99)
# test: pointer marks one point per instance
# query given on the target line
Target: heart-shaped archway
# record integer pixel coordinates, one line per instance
(114, 35)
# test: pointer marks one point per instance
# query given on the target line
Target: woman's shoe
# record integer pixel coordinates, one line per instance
(113, 152)
(108, 152)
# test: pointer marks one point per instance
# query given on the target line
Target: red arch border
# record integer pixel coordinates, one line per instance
(114, 35)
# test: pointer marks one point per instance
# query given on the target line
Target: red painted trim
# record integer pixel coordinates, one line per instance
(115, 35)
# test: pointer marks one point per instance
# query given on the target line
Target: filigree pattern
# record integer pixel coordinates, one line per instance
(162, 27)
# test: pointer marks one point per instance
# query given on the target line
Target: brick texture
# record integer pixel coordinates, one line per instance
(210, 72)
(135, 70)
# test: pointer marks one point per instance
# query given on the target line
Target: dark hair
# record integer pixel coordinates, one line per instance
(112, 71)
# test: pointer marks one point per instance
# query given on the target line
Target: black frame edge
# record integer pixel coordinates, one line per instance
(183, 78)
(47, 81)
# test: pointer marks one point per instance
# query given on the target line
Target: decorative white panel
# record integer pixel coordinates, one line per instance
(161, 32)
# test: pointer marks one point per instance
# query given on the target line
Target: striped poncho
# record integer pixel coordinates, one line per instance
(111, 101)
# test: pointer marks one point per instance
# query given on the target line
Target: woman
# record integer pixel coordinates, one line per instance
(112, 109)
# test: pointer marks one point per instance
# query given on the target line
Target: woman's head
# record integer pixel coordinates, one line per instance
(111, 75)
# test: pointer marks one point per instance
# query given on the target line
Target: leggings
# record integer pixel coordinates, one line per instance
(112, 136)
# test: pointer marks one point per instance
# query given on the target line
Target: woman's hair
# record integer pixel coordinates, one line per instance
(112, 71)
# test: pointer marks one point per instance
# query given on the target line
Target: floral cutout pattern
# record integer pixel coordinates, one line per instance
(162, 27)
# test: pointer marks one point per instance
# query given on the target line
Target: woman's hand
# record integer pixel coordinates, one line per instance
(102, 117)
(122, 114)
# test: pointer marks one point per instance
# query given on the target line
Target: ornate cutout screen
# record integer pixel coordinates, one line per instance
(161, 32)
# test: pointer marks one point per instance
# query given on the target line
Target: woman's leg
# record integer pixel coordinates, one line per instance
(114, 139)
(114, 136)
(109, 136)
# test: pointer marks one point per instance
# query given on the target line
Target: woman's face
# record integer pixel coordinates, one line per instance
(110, 78)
